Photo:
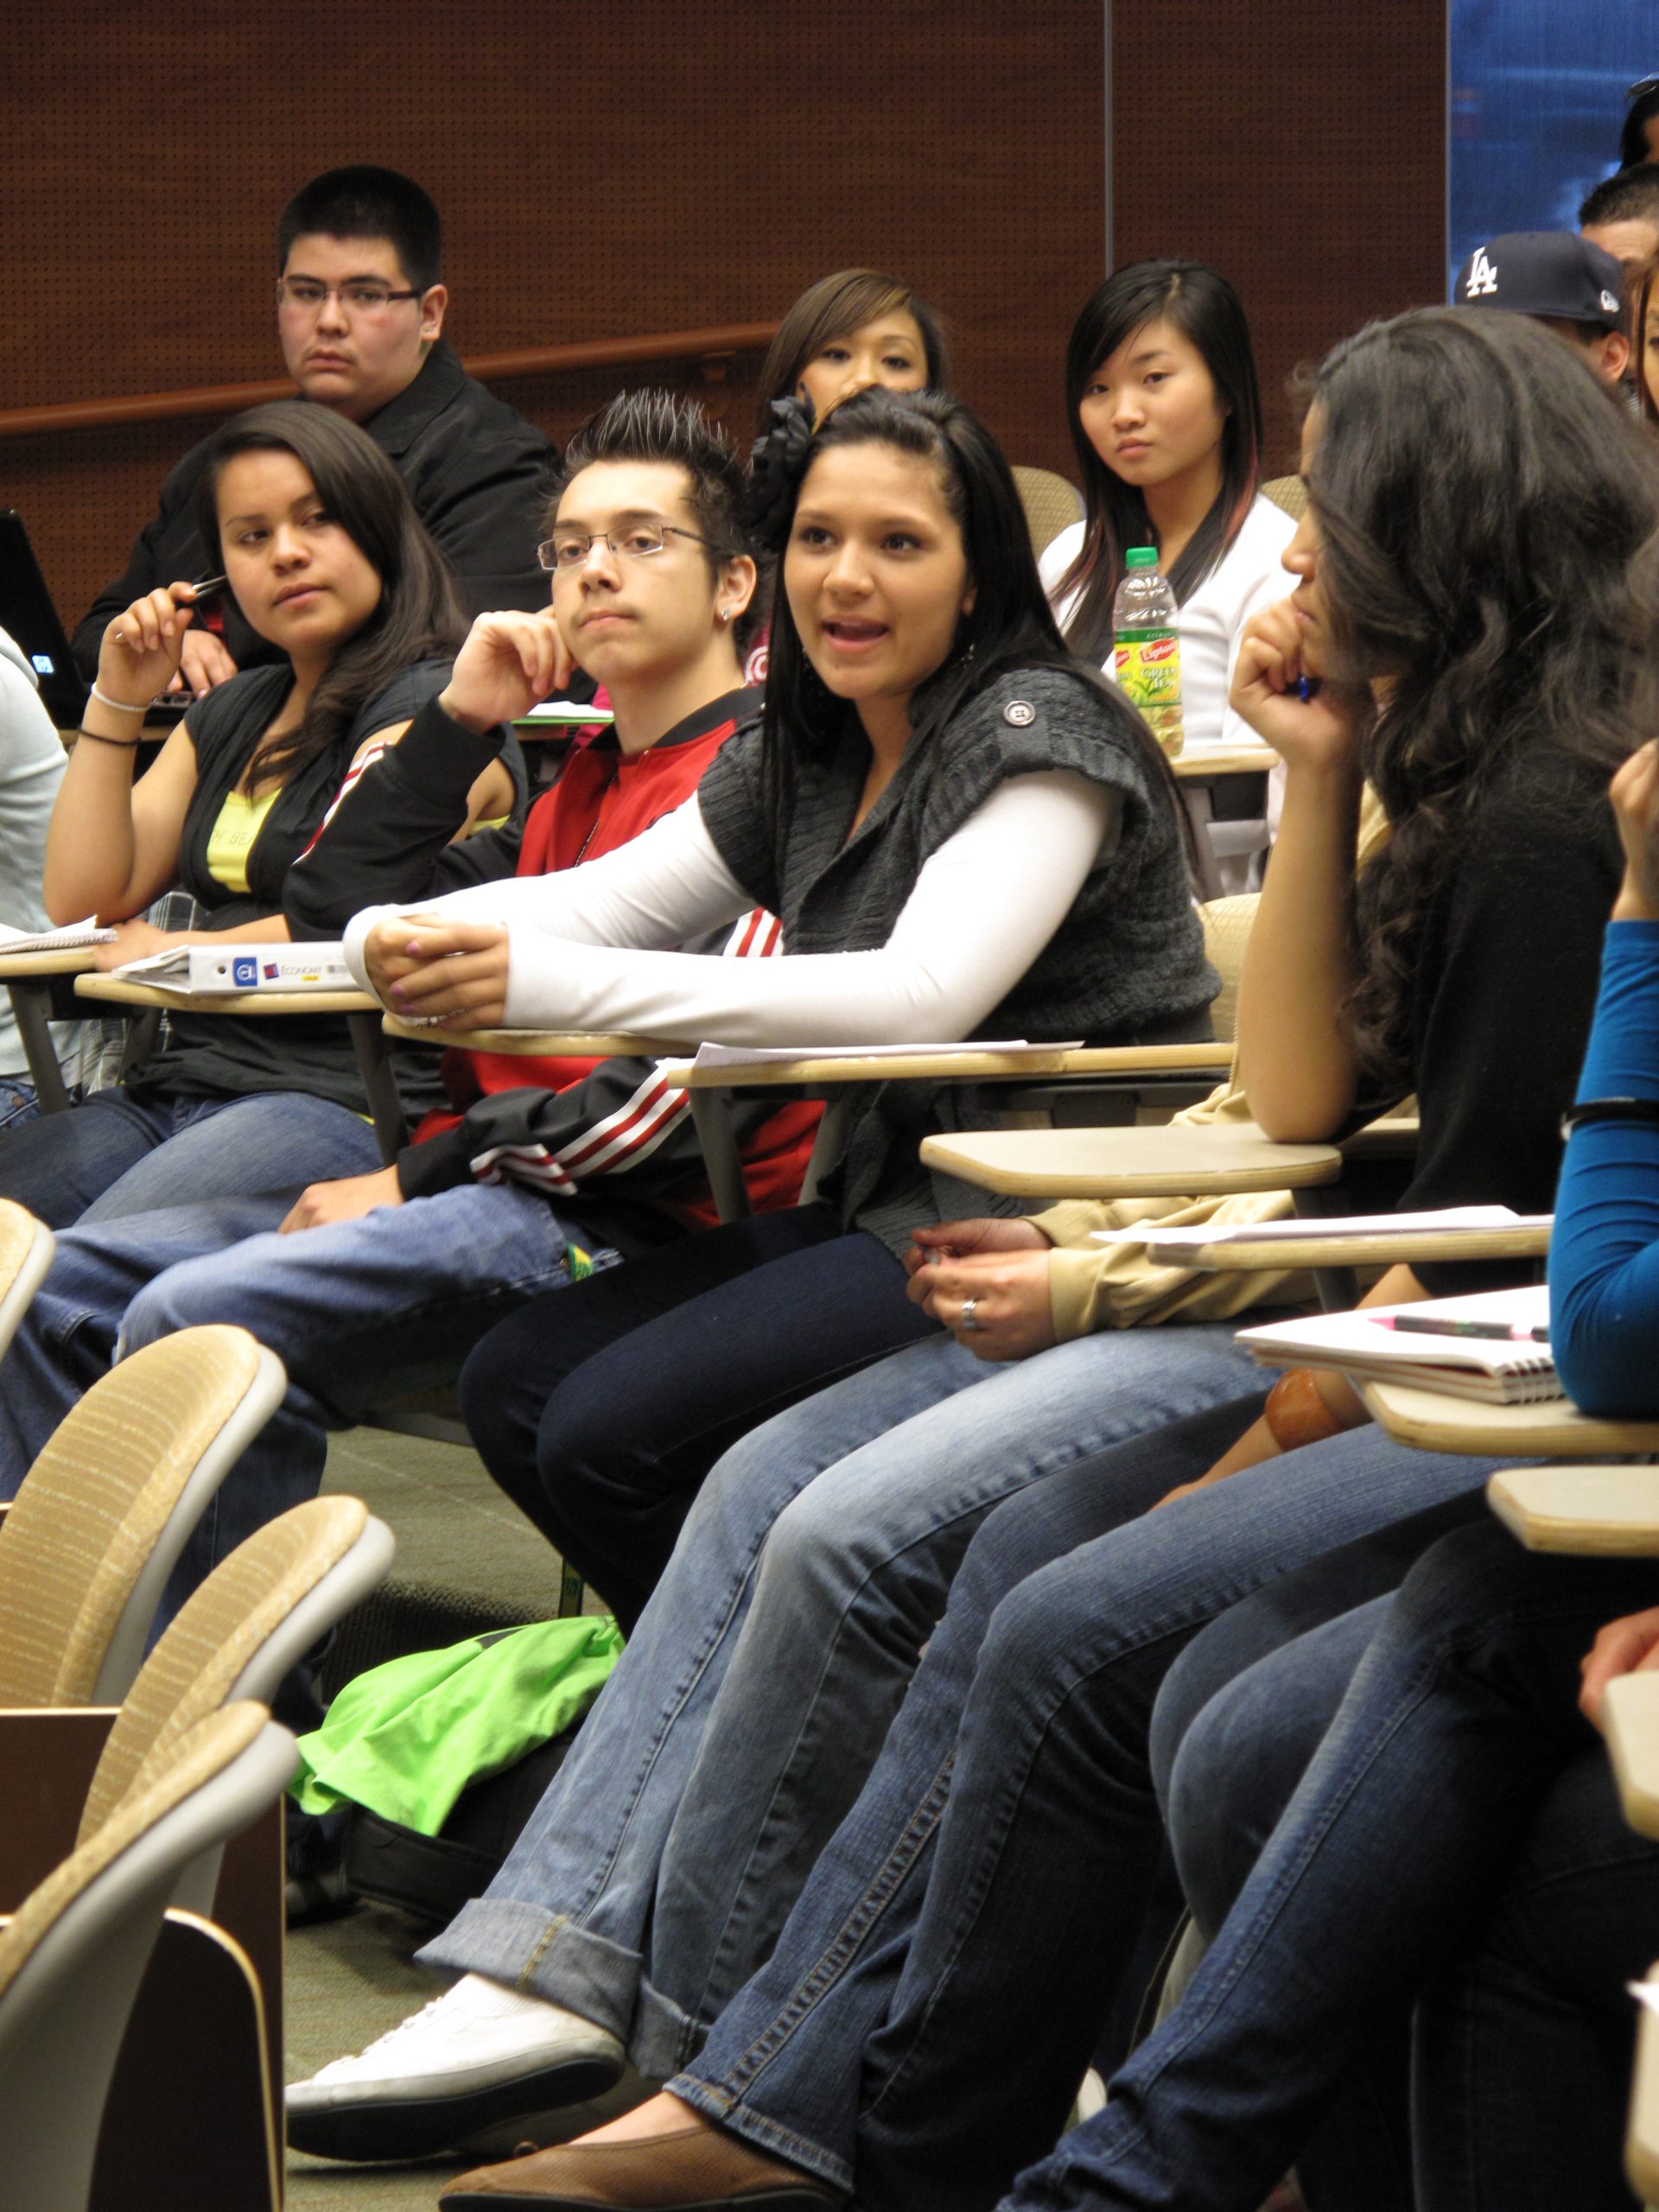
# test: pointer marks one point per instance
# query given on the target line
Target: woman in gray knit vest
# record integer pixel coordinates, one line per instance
(965, 832)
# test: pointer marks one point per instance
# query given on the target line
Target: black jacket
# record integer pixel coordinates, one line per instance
(476, 470)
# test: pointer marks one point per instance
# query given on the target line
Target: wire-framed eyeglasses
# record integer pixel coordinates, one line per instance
(570, 549)
(365, 297)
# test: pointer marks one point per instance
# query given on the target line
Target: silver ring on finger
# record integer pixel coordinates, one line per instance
(966, 1320)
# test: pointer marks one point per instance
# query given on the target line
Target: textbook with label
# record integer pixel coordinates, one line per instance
(1493, 1345)
(70, 938)
(202, 971)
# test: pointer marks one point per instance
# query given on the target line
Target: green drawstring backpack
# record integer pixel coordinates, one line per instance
(443, 1755)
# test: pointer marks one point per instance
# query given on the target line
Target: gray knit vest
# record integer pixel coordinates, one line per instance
(1126, 966)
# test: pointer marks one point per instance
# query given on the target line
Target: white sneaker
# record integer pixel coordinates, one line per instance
(476, 2058)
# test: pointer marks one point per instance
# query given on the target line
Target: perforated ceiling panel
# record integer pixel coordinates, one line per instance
(621, 167)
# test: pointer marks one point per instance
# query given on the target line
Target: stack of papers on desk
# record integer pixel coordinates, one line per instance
(1498, 1371)
(70, 938)
(1444, 1221)
(749, 1056)
(202, 971)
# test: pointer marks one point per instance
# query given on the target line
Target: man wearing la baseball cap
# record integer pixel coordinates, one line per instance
(1559, 279)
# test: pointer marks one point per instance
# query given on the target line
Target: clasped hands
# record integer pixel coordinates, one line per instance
(1001, 1265)
(452, 973)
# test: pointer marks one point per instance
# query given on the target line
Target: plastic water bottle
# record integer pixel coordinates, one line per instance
(1148, 646)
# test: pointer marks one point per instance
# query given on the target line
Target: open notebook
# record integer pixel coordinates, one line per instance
(1499, 1371)
(70, 938)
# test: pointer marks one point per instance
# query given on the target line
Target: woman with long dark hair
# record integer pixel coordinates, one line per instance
(965, 832)
(931, 2001)
(315, 531)
(1164, 413)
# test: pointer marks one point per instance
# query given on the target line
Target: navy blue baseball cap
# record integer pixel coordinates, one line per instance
(1548, 273)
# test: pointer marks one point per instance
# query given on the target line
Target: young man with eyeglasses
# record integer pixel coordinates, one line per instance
(542, 1167)
(359, 316)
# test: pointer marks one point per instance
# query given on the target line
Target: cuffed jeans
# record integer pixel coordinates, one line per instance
(116, 1154)
(359, 1312)
(1454, 1844)
(933, 2000)
(752, 1699)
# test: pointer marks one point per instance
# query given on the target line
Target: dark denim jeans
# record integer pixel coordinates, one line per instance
(934, 1998)
(603, 1429)
(1453, 1845)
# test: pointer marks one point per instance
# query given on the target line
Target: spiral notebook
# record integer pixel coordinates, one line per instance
(1498, 1371)
(71, 939)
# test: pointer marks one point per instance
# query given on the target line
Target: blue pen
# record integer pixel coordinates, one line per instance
(1305, 688)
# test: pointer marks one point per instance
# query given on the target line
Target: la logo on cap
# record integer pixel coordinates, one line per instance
(1483, 276)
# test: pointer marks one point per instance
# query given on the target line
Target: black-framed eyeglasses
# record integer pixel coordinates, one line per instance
(361, 296)
(570, 548)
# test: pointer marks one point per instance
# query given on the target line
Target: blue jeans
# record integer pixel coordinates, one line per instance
(116, 1154)
(18, 1104)
(1454, 1845)
(601, 1432)
(1358, 2159)
(934, 1997)
(359, 1313)
(755, 1694)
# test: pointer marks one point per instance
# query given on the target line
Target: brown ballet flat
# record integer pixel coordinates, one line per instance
(683, 2170)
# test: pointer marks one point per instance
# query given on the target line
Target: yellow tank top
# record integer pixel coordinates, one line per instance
(240, 820)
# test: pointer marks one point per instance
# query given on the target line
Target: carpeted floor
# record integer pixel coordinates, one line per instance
(350, 1980)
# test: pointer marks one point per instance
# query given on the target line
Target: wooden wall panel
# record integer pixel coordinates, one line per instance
(1301, 149)
(625, 166)
(645, 164)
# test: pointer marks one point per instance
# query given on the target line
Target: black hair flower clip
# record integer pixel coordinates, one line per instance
(776, 467)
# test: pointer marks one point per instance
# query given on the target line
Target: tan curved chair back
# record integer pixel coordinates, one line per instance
(1226, 930)
(1051, 503)
(26, 1248)
(74, 1952)
(105, 1509)
(1288, 492)
(235, 1638)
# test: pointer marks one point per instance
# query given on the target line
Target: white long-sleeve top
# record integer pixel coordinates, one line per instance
(588, 945)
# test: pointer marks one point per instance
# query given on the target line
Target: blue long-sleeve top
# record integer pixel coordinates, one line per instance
(1604, 1254)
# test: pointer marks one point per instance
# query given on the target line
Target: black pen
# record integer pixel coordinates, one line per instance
(205, 590)
(1426, 1324)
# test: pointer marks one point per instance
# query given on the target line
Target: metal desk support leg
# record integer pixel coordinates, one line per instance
(829, 1145)
(30, 997)
(711, 1112)
(379, 1084)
